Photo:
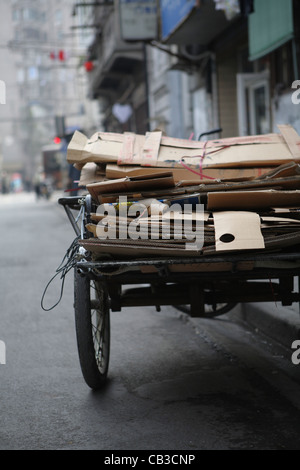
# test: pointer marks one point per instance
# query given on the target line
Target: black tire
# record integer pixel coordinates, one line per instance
(92, 323)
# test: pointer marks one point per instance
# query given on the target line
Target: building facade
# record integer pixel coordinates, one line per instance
(211, 65)
(42, 65)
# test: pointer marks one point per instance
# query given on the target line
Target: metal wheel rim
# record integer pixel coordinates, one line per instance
(99, 327)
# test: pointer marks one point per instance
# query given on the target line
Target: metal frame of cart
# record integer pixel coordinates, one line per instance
(106, 285)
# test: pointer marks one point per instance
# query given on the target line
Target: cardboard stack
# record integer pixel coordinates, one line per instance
(247, 187)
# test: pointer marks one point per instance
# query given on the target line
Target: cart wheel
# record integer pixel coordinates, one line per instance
(92, 322)
(210, 312)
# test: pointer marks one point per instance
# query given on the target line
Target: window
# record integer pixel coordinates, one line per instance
(253, 103)
(30, 14)
(31, 33)
(32, 73)
(16, 14)
(58, 17)
(202, 118)
(20, 75)
(259, 108)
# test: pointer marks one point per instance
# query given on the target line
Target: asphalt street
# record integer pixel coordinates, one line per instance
(174, 384)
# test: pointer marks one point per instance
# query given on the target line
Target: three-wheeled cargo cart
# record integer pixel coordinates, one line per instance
(204, 286)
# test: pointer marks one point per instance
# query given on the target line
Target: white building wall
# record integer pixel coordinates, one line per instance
(179, 103)
(39, 87)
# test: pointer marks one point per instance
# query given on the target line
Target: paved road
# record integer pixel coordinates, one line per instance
(174, 384)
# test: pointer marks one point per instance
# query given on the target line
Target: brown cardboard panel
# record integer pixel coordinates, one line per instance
(134, 183)
(114, 171)
(91, 173)
(174, 214)
(291, 182)
(112, 229)
(269, 150)
(291, 138)
(134, 250)
(237, 231)
(127, 149)
(238, 155)
(252, 200)
(151, 148)
(282, 171)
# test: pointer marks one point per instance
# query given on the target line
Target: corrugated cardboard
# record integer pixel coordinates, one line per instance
(247, 200)
(282, 171)
(135, 248)
(291, 182)
(91, 173)
(239, 181)
(128, 184)
(182, 174)
(265, 150)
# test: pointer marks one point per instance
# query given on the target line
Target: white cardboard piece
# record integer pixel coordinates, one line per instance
(237, 231)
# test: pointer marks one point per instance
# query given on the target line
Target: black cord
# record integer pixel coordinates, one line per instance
(68, 262)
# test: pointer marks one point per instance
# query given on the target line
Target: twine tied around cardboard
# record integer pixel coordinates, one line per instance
(200, 173)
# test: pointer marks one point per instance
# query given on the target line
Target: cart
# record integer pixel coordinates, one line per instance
(195, 285)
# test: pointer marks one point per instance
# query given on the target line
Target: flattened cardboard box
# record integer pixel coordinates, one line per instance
(134, 250)
(128, 184)
(263, 150)
(247, 200)
(182, 174)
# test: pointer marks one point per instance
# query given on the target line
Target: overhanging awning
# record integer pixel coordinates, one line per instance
(191, 22)
(270, 26)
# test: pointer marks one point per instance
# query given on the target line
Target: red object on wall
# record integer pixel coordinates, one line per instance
(61, 56)
(89, 66)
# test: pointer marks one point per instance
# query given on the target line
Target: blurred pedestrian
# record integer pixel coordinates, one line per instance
(4, 183)
(37, 182)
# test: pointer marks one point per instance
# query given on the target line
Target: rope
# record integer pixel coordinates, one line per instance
(201, 162)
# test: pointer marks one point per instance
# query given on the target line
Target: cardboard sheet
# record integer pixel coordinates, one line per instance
(281, 171)
(151, 148)
(91, 173)
(265, 150)
(252, 200)
(238, 231)
(239, 181)
(135, 248)
(134, 183)
(114, 171)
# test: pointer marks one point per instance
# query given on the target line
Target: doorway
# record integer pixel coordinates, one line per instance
(253, 97)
